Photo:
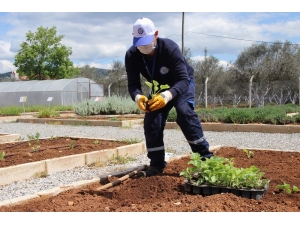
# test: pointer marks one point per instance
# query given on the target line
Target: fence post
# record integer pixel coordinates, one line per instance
(109, 89)
(206, 92)
(250, 87)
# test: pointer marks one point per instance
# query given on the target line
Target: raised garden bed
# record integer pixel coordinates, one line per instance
(9, 137)
(25, 159)
(166, 193)
(129, 119)
(96, 120)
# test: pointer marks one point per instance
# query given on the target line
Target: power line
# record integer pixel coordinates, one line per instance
(212, 35)
(240, 39)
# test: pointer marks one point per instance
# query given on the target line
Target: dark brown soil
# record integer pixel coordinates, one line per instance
(41, 149)
(165, 193)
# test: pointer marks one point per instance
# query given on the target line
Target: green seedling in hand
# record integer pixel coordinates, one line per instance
(156, 88)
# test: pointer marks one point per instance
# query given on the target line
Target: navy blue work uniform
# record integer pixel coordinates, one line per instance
(167, 66)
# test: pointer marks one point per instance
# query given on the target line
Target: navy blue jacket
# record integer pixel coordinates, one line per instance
(170, 68)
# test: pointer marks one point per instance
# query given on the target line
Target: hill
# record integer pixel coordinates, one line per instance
(3, 75)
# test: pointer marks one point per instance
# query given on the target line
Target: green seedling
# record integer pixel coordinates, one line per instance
(156, 88)
(36, 138)
(35, 148)
(96, 142)
(295, 189)
(72, 144)
(248, 153)
(2, 155)
(287, 188)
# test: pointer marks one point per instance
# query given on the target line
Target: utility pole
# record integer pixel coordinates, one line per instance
(205, 51)
(182, 35)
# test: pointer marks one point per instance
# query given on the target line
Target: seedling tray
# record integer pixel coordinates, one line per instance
(207, 190)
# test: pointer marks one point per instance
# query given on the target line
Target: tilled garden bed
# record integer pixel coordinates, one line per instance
(26, 159)
(166, 192)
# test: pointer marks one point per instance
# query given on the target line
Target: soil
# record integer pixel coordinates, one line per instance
(165, 192)
(41, 149)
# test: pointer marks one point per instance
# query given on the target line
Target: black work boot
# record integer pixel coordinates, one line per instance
(152, 171)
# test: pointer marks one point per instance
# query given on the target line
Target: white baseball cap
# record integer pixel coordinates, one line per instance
(143, 32)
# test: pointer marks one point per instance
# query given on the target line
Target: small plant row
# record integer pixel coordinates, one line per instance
(276, 115)
(219, 171)
(287, 188)
(113, 105)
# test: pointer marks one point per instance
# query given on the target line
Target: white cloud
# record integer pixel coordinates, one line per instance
(5, 52)
(201, 58)
(100, 38)
(6, 66)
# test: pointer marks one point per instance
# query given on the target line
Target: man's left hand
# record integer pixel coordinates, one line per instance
(159, 101)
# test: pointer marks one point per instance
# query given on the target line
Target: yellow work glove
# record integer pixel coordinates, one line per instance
(160, 100)
(141, 101)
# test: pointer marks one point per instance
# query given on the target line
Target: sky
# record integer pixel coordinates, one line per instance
(100, 34)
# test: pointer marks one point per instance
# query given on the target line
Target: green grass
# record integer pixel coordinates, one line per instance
(15, 110)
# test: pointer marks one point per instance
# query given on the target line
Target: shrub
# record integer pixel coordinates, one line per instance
(11, 110)
(46, 113)
(241, 116)
(172, 115)
(207, 117)
(114, 105)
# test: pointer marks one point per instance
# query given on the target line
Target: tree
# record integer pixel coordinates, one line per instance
(187, 55)
(42, 56)
(87, 71)
(116, 80)
(274, 68)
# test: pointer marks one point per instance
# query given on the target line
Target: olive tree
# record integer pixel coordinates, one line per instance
(43, 56)
(274, 69)
(211, 69)
(116, 79)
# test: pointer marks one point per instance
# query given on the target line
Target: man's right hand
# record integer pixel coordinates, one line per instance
(141, 101)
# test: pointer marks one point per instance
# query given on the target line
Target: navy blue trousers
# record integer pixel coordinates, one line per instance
(187, 120)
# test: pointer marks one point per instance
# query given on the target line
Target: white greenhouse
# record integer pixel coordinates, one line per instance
(63, 92)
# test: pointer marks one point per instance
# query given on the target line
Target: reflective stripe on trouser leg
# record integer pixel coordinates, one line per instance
(154, 124)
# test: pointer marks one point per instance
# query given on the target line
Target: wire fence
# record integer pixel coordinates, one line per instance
(235, 94)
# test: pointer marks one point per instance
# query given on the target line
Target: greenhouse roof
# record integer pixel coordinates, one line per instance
(42, 85)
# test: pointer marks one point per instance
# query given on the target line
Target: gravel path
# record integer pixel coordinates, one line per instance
(174, 140)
